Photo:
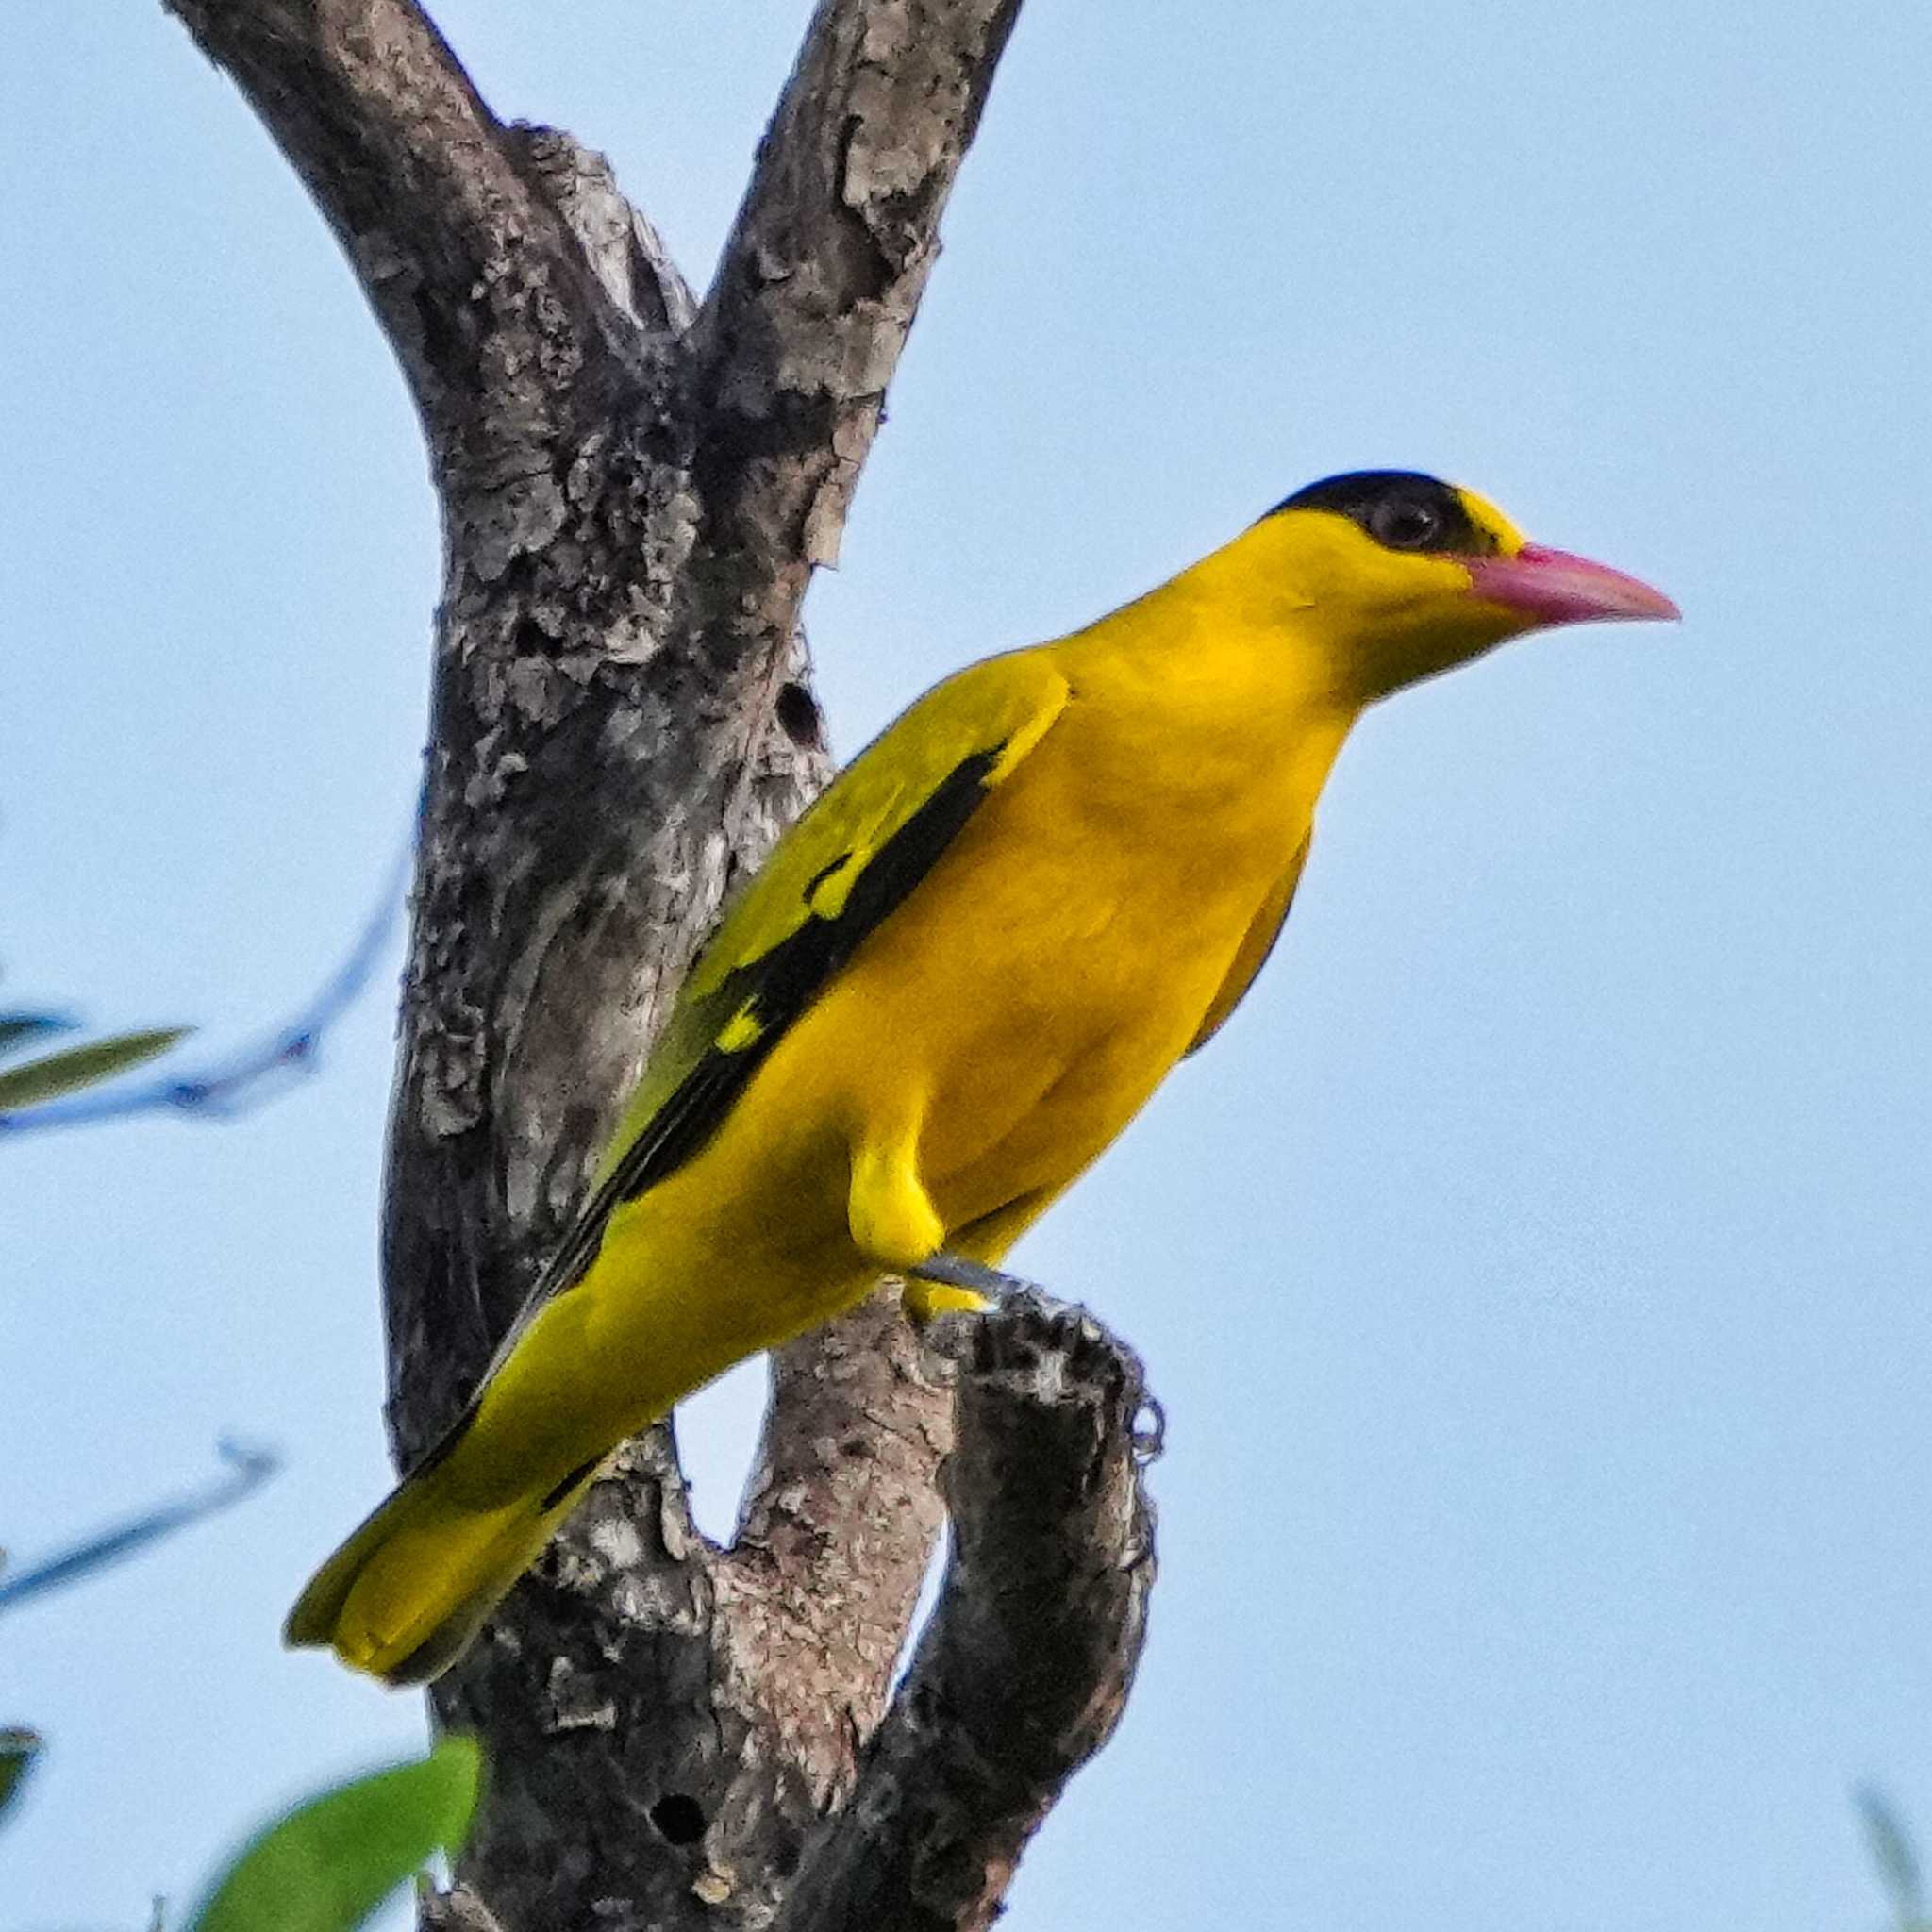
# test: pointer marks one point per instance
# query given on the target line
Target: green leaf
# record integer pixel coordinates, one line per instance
(329, 1863)
(19, 1747)
(56, 1073)
(16, 1028)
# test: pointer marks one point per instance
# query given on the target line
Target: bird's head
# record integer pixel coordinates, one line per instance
(1407, 577)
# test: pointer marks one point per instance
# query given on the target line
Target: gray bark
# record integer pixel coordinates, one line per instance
(1024, 1668)
(635, 488)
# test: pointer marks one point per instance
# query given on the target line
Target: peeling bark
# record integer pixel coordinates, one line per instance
(635, 488)
(1024, 1671)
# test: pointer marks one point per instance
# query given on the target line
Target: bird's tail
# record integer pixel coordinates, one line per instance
(403, 1596)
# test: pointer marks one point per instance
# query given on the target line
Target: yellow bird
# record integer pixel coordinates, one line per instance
(955, 979)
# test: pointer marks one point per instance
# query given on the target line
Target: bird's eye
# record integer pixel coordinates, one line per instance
(1403, 523)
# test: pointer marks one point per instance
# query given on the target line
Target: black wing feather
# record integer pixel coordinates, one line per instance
(773, 990)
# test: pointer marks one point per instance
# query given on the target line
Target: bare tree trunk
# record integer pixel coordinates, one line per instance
(635, 490)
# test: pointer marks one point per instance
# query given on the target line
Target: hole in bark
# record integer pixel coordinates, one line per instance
(679, 1817)
(798, 712)
(441, 338)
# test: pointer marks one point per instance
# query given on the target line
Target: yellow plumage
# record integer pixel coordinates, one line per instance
(954, 981)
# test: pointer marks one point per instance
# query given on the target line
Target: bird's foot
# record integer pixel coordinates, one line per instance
(945, 1284)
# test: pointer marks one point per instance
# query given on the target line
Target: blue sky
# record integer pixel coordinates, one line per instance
(1534, 1273)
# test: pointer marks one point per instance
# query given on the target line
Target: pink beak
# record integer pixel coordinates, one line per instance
(1552, 587)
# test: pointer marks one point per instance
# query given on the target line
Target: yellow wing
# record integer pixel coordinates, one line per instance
(847, 864)
(1252, 953)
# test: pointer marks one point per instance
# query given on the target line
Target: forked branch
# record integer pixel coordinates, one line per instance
(635, 490)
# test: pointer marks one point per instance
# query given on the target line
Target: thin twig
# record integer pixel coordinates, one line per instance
(248, 1076)
(248, 1467)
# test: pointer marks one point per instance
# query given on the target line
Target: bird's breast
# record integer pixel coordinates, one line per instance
(1058, 958)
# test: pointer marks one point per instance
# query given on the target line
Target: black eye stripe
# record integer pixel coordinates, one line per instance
(1394, 507)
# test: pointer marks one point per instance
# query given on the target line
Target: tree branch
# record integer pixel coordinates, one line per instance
(254, 1073)
(810, 307)
(625, 252)
(1024, 1669)
(472, 276)
(822, 276)
(634, 498)
(841, 1511)
(245, 1470)
(457, 1910)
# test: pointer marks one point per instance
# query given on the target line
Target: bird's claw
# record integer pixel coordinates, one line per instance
(974, 1277)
